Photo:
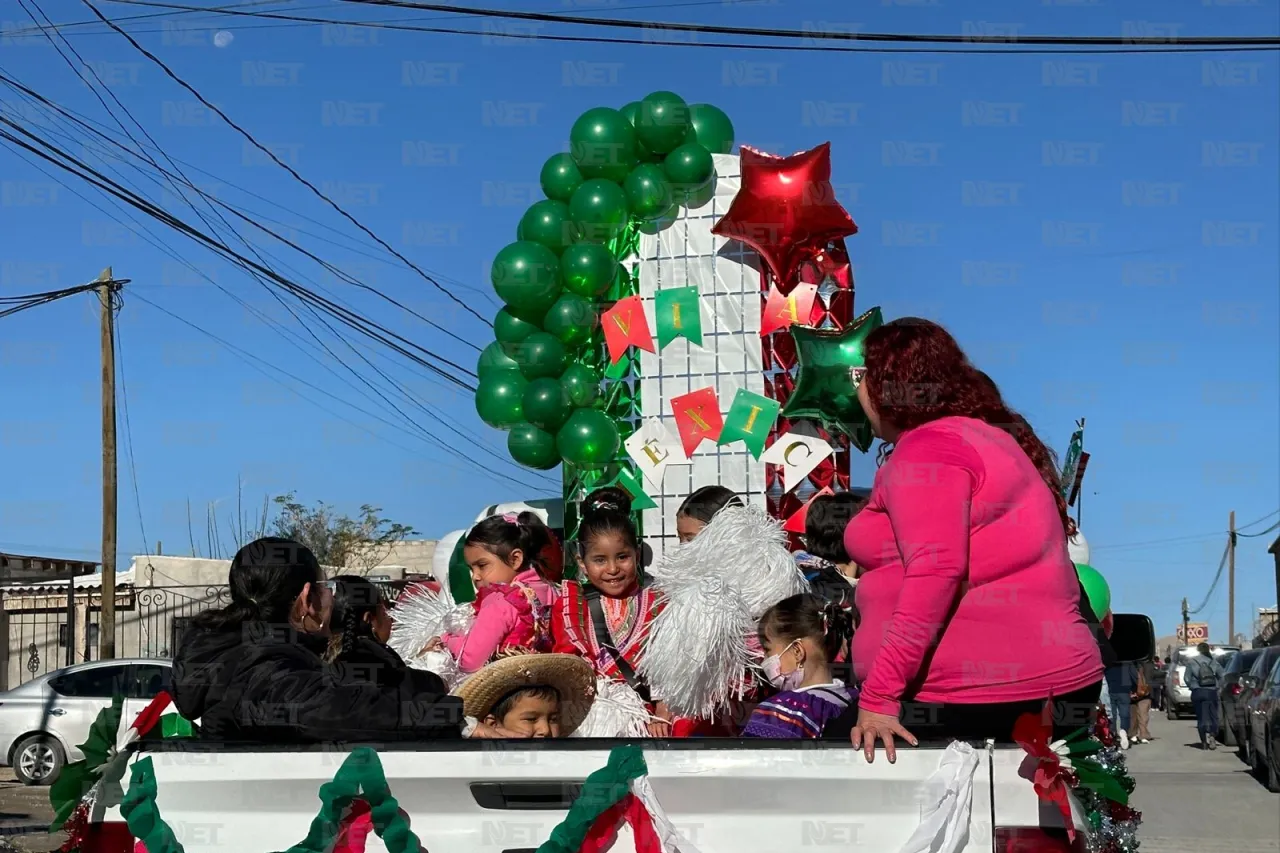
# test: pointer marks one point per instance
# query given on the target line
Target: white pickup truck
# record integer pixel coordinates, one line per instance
(721, 795)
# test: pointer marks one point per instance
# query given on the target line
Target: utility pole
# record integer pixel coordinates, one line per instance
(1231, 578)
(107, 289)
(1186, 630)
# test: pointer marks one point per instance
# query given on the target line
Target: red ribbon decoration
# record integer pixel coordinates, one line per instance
(604, 832)
(1034, 733)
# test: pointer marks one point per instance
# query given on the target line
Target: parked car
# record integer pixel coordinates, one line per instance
(43, 722)
(1177, 695)
(1231, 716)
(1264, 721)
(1253, 684)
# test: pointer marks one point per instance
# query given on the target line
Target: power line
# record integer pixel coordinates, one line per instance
(649, 41)
(822, 35)
(293, 172)
(1216, 578)
(116, 307)
(1260, 520)
(34, 300)
(1270, 529)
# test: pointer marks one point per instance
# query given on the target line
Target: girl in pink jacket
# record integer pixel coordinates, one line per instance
(515, 564)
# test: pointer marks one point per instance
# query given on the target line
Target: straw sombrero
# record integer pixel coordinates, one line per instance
(571, 676)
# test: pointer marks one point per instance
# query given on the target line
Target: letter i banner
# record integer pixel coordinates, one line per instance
(750, 419)
(678, 315)
(618, 793)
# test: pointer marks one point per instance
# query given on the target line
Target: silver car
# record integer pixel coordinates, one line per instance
(1177, 695)
(43, 722)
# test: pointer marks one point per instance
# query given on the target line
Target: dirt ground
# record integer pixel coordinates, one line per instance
(24, 817)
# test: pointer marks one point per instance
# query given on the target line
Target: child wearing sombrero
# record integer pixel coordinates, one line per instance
(528, 696)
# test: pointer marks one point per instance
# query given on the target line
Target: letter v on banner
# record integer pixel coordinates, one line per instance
(625, 325)
(697, 417)
(781, 312)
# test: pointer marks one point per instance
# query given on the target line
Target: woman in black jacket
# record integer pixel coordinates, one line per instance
(252, 672)
(360, 626)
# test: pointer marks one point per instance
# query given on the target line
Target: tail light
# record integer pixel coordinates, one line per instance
(1177, 680)
(1236, 690)
(112, 837)
(1036, 839)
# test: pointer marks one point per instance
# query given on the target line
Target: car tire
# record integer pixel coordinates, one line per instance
(38, 760)
(1171, 712)
(1272, 777)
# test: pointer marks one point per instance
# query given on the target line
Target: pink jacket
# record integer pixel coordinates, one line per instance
(506, 617)
(967, 593)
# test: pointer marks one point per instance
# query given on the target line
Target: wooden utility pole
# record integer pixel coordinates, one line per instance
(106, 291)
(1186, 629)
(1231, 578)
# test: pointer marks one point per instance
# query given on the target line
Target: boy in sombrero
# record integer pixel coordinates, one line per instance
(529, 696)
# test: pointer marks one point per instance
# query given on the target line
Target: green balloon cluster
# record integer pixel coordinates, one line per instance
(628, 166)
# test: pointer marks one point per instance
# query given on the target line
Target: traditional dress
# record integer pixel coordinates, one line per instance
(627, 619)
(508, 617)
(801, 713)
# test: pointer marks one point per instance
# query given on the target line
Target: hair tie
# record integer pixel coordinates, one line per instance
(511, 518)
(609, 505)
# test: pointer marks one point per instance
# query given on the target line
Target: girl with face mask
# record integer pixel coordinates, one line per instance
(801, 636)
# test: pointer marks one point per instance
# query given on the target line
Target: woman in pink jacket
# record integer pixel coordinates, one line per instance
(969, 602)
(515, 564)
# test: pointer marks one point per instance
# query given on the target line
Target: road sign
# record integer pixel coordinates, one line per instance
(1197, 631)
(1072, 461)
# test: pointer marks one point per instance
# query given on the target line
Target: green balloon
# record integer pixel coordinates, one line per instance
(539, 355)
(500, 399)
(560, 177)
(711, 128)
(587, 269)
(581, 383)
(663, 122)
(532, 447)
(546, 404)
(526, 276)
(588, 439)
(494, 360)
(603, 144)
(689, 167)
(510, 329)
(547, 222)
(571, 320)
(1096, 589)
(648, 194)
(631, 112)
(599, 210)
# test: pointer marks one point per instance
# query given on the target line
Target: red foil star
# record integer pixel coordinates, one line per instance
(787, 209)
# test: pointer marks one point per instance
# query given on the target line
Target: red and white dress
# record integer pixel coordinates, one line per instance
(628, 620)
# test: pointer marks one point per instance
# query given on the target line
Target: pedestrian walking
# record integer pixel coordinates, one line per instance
(1121, 679)
(1203, 675)
(1142, 696)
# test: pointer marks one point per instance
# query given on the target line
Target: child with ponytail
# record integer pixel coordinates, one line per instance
(514, 560)
(801, 636)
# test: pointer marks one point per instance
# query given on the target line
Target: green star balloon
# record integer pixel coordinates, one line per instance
(825, 391)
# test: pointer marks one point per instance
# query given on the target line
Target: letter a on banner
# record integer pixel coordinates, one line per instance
(677, 314)
(782, 312)
(697, 417)
(625, 325)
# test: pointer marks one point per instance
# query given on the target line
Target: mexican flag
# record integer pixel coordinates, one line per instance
(617, 795)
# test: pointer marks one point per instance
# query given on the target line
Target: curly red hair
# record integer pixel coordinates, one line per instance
(917, 373)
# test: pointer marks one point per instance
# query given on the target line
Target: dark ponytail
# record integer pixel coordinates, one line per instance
(605, 511)
(354, 598)
(265, 579)
(808, 617)
(704, 503)
(504, 534)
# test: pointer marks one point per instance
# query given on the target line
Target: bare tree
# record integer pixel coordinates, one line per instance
(358, 544)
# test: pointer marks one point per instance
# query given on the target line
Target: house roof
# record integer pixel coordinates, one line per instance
(93, 581)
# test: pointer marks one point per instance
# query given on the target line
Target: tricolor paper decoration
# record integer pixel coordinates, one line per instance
(677, 314)
(653, 447)
(750, 419)
(782, 312)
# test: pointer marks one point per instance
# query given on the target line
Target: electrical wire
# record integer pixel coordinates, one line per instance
(293, 172)
(1216, 578)
(772, 32)
(34, 300)
(649, 41)
(1273, 528)
(117, 303)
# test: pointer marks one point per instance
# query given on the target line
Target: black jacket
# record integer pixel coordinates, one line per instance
(370, 662)
(256, 682)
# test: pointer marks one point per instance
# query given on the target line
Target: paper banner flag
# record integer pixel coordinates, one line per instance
(798, 455)
(697, 417)
(639, 497)
(653, 447)
(678, 315)
(625, 325)
(780, 312)
(795, 524)
(749, 420)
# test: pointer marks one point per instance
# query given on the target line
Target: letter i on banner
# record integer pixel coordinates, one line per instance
(749, 420)
(625, 325)
(697, 417)
(677, 315)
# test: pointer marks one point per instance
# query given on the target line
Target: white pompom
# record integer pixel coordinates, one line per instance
(617, 711)
(418, 617)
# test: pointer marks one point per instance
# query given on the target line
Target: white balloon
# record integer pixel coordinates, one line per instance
(1078, 548)
(440, 561)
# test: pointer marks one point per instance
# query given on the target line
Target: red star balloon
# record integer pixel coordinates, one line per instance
(786, 209)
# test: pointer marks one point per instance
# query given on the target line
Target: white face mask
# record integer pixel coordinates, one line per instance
(773, 671)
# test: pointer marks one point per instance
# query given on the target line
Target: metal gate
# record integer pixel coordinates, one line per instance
(49, 628)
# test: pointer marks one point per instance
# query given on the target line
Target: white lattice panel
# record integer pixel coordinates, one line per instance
(728, 282)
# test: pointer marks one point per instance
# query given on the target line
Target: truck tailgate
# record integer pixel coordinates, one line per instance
(722, 797)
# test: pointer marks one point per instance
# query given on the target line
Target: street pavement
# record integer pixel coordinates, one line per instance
(1199, 802)
(1191, 801)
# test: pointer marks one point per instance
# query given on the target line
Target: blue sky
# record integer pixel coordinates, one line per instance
(1098, 231)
